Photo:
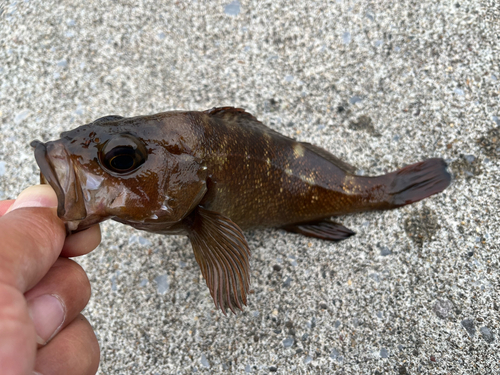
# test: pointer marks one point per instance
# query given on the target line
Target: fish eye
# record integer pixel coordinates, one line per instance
(122, 154)
(121, 158)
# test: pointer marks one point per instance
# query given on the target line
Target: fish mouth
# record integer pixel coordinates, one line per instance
(57, 170)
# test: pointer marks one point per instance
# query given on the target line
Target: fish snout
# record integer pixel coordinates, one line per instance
(57, 169)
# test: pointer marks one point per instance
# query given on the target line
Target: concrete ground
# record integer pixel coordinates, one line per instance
(380, 84)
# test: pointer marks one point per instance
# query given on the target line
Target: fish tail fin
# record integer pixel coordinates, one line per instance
(417, 181)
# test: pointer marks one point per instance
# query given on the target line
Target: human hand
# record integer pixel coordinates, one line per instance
(41, 291)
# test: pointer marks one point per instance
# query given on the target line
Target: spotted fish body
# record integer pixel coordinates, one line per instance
(210, 175)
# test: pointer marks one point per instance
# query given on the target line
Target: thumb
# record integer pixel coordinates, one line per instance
(30, 242)
(31, 237)
(35, 196)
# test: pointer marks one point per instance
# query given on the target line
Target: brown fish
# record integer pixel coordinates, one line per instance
(210, 175)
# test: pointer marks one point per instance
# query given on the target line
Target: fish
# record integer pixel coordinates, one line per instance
(211, 175)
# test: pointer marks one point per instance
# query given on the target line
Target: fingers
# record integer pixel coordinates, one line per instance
(4, 206)
(81, 243)
(17, 334)
(74, 350)
(77, 244)
(58, 298)
(31, 238)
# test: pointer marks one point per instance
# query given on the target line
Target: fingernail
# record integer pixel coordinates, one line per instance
(35, 196)
(48, 314)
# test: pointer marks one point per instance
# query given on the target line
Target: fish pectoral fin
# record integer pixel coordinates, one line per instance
(325, 230)
(222, 252)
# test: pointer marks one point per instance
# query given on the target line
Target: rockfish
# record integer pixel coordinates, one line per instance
(211, 175)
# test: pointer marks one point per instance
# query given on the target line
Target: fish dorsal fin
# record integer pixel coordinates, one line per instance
(231, 113)
(222, 253)
(108, 118)
(346, 167)
(238, 114)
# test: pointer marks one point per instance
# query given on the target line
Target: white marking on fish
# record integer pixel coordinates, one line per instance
(348, 185)
(93, 182)
(120, 200)
(307, 180)
(86, 195)
(165, 206)
(298, 150)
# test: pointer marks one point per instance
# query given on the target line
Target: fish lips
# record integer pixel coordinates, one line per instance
(57, 169)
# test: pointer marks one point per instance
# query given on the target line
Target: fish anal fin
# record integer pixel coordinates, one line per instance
(222, 253)
(324, 229)
(346, 167)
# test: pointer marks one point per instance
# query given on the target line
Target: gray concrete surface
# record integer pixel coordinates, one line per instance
(379, 83)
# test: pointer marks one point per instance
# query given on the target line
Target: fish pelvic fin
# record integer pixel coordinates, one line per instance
(222, 253)
(324, 229)
(417, 181)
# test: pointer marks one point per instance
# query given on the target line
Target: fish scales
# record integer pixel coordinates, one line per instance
(296, 185)
(210, 175)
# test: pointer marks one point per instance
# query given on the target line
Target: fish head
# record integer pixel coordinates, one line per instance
(127, 171)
